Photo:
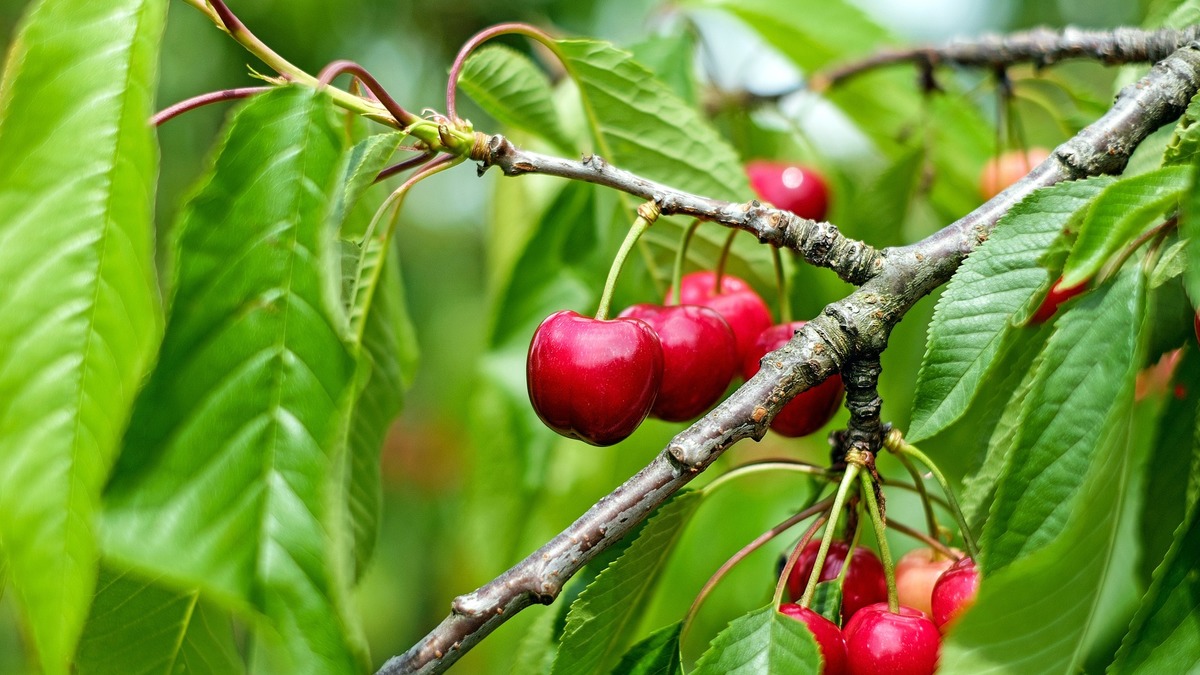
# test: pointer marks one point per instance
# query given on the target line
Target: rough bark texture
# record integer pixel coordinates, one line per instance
(848, 336)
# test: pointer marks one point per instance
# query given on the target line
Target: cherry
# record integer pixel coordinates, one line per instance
(790, 187)
(829, 637)
(737, 303)
(593, 379)
(865, 583)
(808, 411)
(904, 643)
(954, 592)
(1008, 168)
(699, 357)
(1057, 296)
(916, 573)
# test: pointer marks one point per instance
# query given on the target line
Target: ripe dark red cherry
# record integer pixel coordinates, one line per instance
(790, 187)
(737, 303)
(916, 573)
(699, 357)
(829, 637)
(877, 641)
(954, 592)
(865, 583)
(591, 379)
(810, 410)
(1057, 296)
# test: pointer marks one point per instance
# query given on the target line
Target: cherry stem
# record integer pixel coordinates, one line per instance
(764, 466)
(896, 443)
(919, 482)
(680, 255)
(922, 537)
(781, 285)
(794, 556)
(167, 114)
(841, 577)
(513, 28)
(889, 571)
(331, 71)
(647, 213)
(1113, 266)
(745, 552)
(401, 167)
(720, 272)
(839, 500)
(913, 488)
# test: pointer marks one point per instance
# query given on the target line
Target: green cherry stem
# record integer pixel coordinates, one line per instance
(924, 538)
(680, 256)
(795, 555)
(720, 272)
(647, 213)
(896, 443)
(763, 466)
(919, 482)
(760, 541)
(889, 570)
(839, 500)
(781, 286)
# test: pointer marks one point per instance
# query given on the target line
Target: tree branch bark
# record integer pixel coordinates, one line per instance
(846, 330)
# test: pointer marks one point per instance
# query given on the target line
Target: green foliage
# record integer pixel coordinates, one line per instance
(237, 432)
(507, 85)
(763, 641)
(604, 616)
(975, 323)
(80, 303)
(658, 654)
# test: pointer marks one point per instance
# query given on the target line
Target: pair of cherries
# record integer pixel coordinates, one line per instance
(874, 639)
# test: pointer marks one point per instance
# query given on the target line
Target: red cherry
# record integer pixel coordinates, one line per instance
(1057, 296)
(699, 357)
(591, 379)
(811, 409)
(865, 583)
(954, 592)
(828, 635)
(878, 641)
(737, 303)
(916, 573)
(1008, 168)
(790, 187)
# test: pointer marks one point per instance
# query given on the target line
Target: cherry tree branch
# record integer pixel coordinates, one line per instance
(846, 331)
(1041, 46)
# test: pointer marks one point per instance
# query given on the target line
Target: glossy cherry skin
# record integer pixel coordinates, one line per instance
(593, 380)
(1057, 296)
(699, 357)
(737, 303)
(829, 637)
(865, 583)
(811, 409)
(1008, 168)
(790, 187)
(954, 592)
(877, 641)
(916, 573)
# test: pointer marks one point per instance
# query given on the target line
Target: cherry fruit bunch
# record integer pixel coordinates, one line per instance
(596, 379)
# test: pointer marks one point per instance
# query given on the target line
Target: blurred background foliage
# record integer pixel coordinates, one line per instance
(472, 481)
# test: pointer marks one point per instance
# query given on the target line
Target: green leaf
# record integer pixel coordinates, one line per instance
(360, 167)
(1165, 636)
(535, 655)
(827, 601)
(510, 88)
(81, 308)
(602, 620)
(1081, 393)
(234, 446)
(1184, 145)
(641, 125)
(763, 642)
(672, 58)
(1035, 615)
(972, 328)
(658, 654)
(1118, 216)
(139, 627)
(1172, 264)
(1189, 228)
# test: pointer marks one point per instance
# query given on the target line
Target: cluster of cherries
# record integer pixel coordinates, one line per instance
(932, 589)
(597, 379)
